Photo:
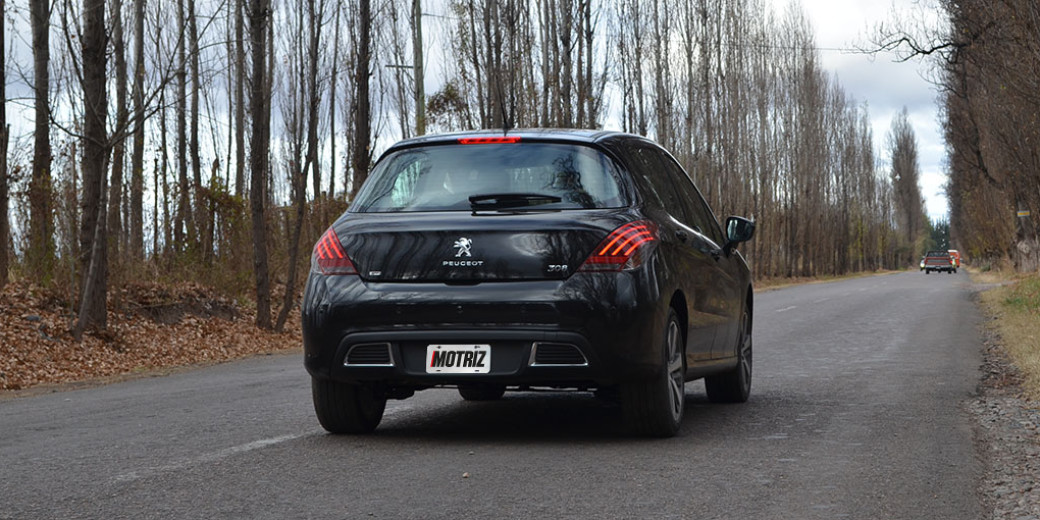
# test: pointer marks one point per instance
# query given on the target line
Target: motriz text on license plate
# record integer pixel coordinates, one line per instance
(458, 359)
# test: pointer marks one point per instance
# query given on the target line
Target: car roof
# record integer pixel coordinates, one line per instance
(574, 135)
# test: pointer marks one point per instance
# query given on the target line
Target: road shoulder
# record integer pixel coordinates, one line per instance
(1007, 436)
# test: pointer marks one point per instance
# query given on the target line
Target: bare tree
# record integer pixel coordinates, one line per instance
(201, 229)
(417, 63)
(631, 59)
(184, 223)
(240, 81)
(905, 175)
(41, 225)
(308, 93)
(362, 107)
(5, 132)
(136, 246)
(260, 142)
(93, 231)
(333, 92)
(115, 199)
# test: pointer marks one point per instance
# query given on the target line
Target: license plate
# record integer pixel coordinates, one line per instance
(458, 359)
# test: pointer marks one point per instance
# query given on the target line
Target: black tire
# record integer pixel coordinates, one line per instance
(734, 386)
(481, 391)
(655, 408)
(344, 408)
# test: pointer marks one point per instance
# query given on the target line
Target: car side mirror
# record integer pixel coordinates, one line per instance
(738, 229)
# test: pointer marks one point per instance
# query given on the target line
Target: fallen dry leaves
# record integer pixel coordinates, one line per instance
(155, 327)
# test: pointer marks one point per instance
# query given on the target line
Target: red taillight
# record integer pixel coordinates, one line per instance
(489, 140)
(624, 248)
(330, 257)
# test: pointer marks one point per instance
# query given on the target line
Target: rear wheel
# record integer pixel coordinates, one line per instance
(345, 408)
(655, 407)
(481, 391)
(734, 386)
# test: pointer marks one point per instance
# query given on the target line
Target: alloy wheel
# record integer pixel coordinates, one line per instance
(676, 377)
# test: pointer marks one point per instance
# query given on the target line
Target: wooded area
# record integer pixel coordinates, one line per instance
(232, 133)
(988, 60)
(992, 80)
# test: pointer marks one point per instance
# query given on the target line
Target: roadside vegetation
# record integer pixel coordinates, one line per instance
(1014, 308)
(152, 329)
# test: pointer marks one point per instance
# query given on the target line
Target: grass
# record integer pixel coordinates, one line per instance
(1015, 307)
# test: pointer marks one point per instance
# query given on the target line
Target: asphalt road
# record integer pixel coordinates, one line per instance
(856, 412)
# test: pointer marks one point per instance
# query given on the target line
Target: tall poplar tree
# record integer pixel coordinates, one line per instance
(260, 143)
(93, 230)
(41, 223)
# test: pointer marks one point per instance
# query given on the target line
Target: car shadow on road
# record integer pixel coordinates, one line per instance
(539, 416)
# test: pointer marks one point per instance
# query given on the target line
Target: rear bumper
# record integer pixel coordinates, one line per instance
(514, 358)
(592, 330)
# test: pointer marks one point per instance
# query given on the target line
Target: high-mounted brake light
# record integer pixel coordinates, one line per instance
(330, 257)
(489, 140)
(624, 248)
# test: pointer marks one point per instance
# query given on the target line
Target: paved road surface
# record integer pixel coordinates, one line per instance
(856, 412)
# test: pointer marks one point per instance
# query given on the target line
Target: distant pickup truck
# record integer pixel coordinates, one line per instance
(939, 261)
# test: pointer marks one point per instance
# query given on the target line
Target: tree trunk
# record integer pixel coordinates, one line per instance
(480, 84)
(362, 119)
(163, 173)
(136, 248)
(240, 101)
(183, 219)
(202, 227)
(40, 254)
(94, 266)
(259, 14)
(5, 225)
(417, 62)
(316, 16)
(115, 224)
(332, 112)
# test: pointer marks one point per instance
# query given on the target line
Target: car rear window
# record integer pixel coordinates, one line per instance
(444, 177)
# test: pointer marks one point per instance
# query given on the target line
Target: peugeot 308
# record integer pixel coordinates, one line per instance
(537, 259)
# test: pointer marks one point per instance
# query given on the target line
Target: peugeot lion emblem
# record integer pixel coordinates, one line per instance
(463, 244)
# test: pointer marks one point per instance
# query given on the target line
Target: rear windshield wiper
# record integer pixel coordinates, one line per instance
(510, 200)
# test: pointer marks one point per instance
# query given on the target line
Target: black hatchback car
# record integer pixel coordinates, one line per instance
(560, 259)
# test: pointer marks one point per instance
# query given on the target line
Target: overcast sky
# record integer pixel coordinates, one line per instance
(885, 86)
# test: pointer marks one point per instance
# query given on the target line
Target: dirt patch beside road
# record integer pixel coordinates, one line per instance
(1007, 433)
